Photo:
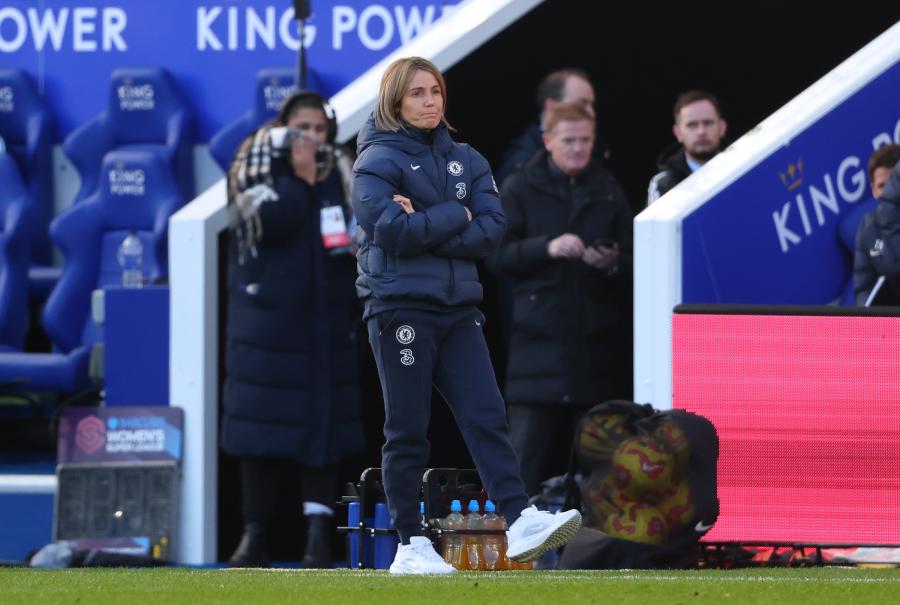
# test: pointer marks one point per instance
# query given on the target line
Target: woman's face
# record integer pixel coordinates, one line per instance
(422, 105)
(311, 122)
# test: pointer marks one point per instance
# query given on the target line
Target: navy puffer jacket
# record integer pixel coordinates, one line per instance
(292, 378)
(427, 257)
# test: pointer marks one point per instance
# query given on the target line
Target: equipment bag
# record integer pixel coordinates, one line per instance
(647, 487)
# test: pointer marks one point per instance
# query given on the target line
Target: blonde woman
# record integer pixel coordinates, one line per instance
(428, 208)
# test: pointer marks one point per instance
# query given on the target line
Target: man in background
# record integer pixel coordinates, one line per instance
(568, 85)
(566, 255)
(878, 236)
(699, 128)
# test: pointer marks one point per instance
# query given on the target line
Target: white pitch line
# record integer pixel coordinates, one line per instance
(591, 576)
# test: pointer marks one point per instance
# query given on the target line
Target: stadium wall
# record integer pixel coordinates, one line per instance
(758, 224)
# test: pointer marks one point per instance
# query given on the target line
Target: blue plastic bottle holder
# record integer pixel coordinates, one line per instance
(385, 543)
(353, 538)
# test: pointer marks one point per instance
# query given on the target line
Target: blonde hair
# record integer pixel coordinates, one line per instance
(394, 83)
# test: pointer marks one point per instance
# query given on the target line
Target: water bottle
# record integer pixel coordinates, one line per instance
(494, 544)
(423, 524)
(131, 255)
(474, 541)
(453, 543)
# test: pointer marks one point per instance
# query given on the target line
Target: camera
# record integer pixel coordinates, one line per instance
(282, 137)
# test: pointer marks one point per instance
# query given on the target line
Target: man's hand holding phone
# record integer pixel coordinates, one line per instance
(567, 245)
(603, 254)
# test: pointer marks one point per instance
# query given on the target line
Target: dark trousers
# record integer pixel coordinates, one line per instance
(261, 478)
(542, 435)
(415, 350)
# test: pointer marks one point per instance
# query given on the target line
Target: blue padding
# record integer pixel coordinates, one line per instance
(272, 86)
(136, 322)
(145, 110)
(27, 524)
(47, 371)
(16, 216)
(136, 195)
(27, 129)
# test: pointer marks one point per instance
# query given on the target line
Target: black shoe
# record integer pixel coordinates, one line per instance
(317, 554)
(252, 551)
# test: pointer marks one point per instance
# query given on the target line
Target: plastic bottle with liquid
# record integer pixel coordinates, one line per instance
(474, 541)
(453, 550)
(494, 544)
(130, 257)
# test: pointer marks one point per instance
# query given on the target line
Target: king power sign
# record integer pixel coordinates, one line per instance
(772, 235)
(213, 49)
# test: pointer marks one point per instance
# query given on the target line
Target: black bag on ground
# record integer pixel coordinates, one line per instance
(647, 490)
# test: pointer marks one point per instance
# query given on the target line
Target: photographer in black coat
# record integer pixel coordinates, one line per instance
(291, 396)
(567, 252)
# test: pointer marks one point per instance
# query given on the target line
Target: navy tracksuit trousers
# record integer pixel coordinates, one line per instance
(415, 350)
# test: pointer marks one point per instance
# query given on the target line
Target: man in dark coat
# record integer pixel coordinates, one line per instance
(878, 248)
(568, 85)
(699, 128)
(881, 163)
(567, 251)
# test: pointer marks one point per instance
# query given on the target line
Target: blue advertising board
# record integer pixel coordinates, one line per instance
(213, 48)
(772, 235)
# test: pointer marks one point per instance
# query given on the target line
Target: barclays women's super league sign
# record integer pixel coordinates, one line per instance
(213, 49)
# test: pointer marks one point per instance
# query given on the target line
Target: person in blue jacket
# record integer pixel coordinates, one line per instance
(291, 395)
(427, 209)
(878, 245)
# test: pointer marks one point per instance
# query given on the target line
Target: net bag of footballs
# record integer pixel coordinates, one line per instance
(645, 481)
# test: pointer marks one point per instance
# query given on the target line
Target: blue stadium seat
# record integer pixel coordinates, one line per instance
(137, 194)
(145, 112)
(272, 86)
(27, 129)
(16, 218)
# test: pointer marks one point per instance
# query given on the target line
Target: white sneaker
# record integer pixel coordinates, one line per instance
(419, 557)
(538, 531)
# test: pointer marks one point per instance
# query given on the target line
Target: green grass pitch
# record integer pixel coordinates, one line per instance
(172, 586)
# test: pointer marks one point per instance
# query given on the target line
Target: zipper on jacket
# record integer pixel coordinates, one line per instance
(452, 280)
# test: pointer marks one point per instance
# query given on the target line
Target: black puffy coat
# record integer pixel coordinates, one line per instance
(292, 384)
(566, 314)
(673, 168)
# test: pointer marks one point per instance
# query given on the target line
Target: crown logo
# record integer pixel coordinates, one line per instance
(793, 176)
